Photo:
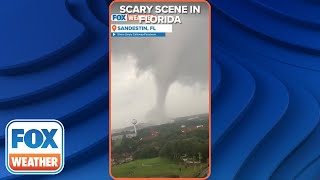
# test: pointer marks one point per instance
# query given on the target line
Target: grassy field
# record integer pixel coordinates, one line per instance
(155, 167)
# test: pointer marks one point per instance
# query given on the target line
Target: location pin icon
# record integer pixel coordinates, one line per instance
(114, 27)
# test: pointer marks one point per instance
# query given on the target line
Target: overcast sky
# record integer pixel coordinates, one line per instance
(133, 96)
(156, 79)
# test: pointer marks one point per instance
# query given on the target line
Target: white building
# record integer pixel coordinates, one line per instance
(117, 137)
(131, 135)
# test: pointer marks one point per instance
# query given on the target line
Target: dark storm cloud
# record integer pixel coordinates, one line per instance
(182, 56)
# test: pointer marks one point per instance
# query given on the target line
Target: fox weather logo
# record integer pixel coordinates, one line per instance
(34, 146)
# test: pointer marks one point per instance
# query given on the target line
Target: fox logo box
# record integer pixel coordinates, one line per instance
(34, 147)
(119, 17)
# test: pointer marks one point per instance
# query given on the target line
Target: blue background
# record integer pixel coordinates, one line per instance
(265, 84)
(54, 64)
(266, 89)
